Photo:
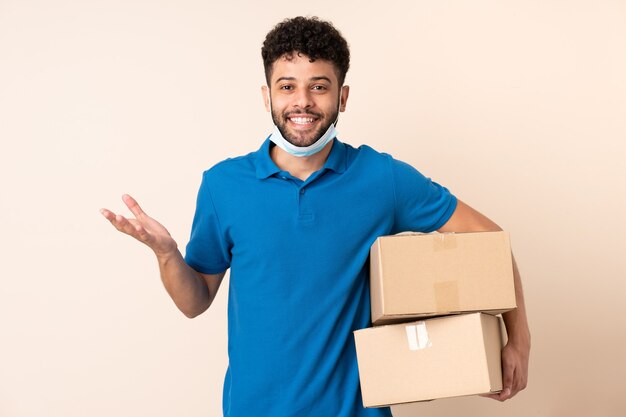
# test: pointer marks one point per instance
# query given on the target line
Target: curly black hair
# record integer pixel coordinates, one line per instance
(309, 36)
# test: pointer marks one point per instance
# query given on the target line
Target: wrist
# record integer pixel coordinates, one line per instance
(165, 257)
(520, 338)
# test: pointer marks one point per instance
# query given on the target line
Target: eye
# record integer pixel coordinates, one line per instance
(319, 88)
(286, 87)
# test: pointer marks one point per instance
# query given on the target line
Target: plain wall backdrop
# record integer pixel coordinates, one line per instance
(519, 108)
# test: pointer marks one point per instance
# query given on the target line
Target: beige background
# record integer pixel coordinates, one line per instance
(518, 107)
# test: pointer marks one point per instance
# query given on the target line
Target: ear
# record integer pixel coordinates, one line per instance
(266, 97)
(345, 92)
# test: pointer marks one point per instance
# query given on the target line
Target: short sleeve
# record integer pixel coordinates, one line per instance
(207, 251)
(421, 204)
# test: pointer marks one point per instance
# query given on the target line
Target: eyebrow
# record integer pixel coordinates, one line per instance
(318, 78)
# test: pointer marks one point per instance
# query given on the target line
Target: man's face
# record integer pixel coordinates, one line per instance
(304, 98)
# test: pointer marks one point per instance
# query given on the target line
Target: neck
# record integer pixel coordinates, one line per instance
(300, 167)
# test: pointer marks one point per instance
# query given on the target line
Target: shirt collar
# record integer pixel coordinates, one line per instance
(265, 166)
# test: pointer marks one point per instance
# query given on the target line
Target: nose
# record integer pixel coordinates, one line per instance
(303, 98)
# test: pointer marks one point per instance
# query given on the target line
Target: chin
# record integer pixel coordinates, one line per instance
(303, 142)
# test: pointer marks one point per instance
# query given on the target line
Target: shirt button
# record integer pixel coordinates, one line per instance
(302, 191)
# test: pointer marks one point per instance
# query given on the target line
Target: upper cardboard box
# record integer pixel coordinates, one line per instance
(425, 275)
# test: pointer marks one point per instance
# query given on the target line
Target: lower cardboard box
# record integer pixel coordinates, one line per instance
(425, 360)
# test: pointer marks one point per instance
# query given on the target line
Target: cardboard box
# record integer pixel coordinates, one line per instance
(424, 275)
(425, 360)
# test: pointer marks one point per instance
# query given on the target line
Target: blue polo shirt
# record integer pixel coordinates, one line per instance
(298, 258)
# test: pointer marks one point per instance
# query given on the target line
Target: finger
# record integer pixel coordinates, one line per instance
(508, 373)
(517, 385)
(115, 219)
(133, 206)
(500, 396)
(522, 380)
(142, 234)
(507, 383)
(124, 225)
(505, 394)
(133, 228)
(130, 227)
(108, 214)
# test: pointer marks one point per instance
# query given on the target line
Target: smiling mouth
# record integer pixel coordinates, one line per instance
(302, 120)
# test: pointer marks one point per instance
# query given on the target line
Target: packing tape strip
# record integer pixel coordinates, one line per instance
(444, 241)
(417, 336)
(447, 296)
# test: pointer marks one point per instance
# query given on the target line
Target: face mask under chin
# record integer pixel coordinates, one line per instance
(301, 151)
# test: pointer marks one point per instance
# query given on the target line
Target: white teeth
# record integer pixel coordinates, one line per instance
(302, 120)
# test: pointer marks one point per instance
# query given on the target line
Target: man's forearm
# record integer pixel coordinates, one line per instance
(184, 285)
(515, 320)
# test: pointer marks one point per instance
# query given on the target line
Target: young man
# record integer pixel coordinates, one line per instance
(294, 222)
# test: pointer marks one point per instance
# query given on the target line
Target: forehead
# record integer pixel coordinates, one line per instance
(299, 67)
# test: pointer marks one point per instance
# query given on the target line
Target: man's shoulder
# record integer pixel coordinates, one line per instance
(364, 150)
(367, 156)
(373, 153)
(236, 165)
(360, 148)
(377, 162)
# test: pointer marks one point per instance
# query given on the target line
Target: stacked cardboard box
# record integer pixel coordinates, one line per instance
(444, 291)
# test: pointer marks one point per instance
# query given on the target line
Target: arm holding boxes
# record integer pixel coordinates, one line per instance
(516, 353)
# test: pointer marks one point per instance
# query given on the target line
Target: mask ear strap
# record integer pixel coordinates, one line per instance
(338, 106)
